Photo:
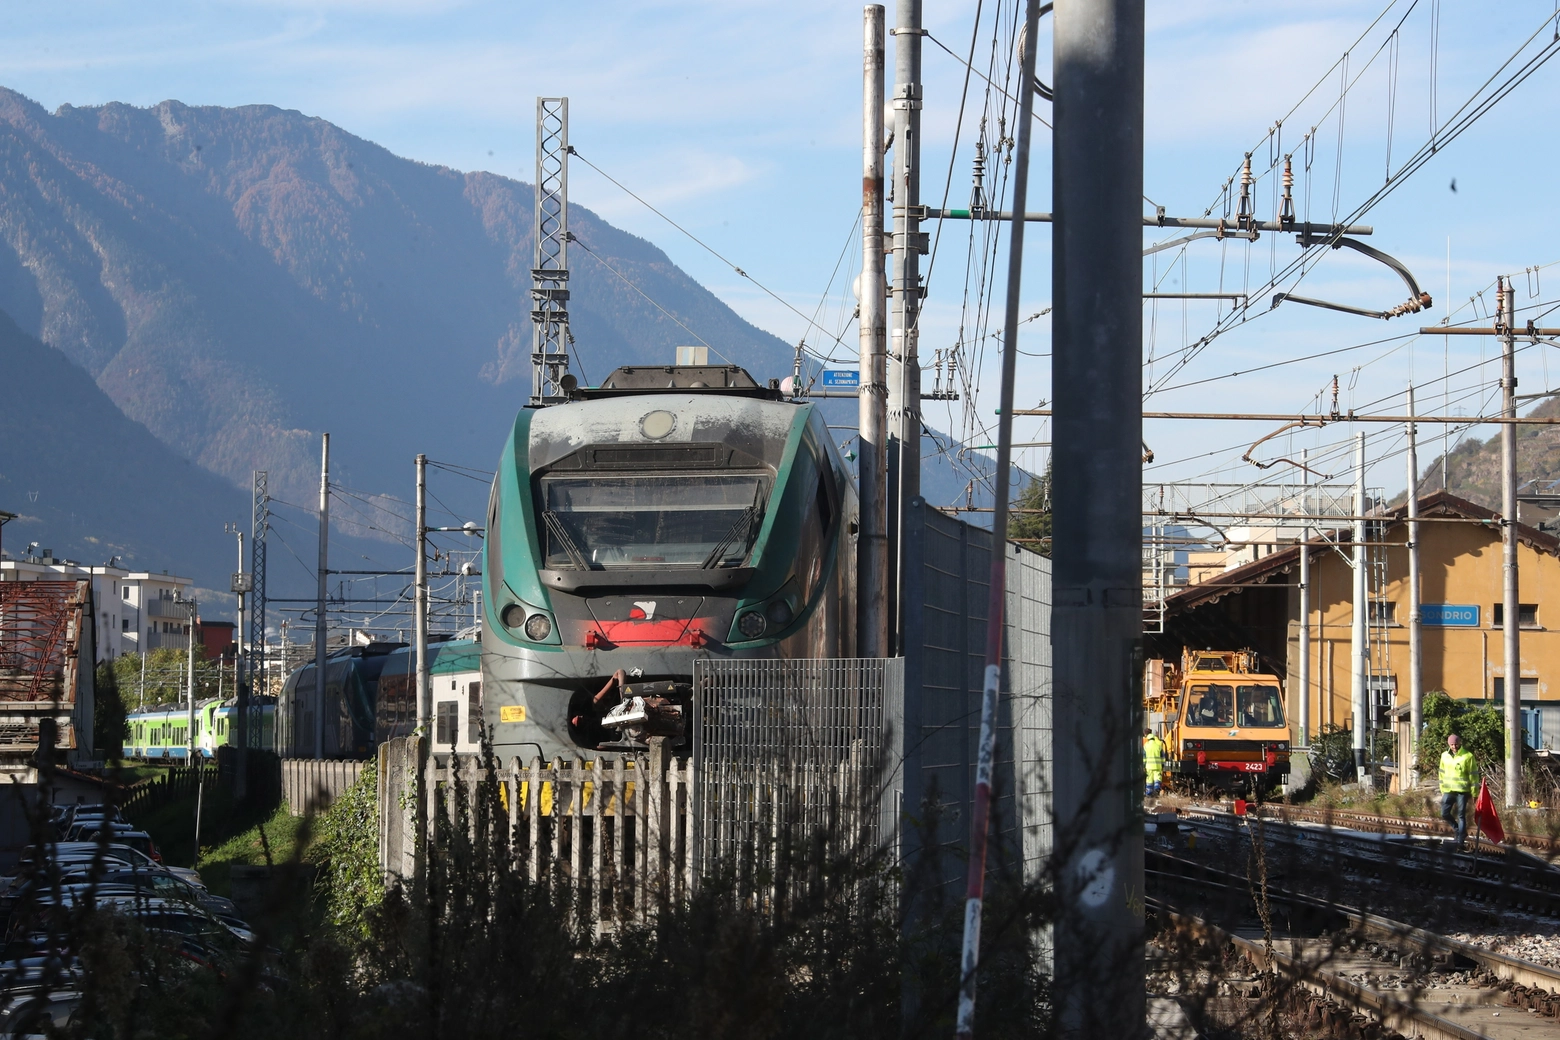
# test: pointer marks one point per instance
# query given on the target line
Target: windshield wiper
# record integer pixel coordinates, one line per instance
(555, 526)
(741, 527)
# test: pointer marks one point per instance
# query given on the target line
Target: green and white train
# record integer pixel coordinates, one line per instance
(670, 514)
(163, 735)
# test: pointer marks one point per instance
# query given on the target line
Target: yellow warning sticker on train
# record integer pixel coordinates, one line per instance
(511, 713)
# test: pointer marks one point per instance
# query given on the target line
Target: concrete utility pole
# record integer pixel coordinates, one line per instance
(1512, 621)
(239, 586)
(980, 818)
(1305, 606)
(319, 603)
(420, 637)
(904, 370)
(1416, 657)
(1097, 617)
(1359, 645)
(190, 686)
(873, 590)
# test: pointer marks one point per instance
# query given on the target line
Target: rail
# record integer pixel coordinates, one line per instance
(1307, 974)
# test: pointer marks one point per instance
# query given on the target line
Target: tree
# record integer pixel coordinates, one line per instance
(1034, 525)
(108, 713)
(1481, 726)
(166, 674)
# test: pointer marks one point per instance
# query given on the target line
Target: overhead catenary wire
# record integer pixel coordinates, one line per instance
(700, 243)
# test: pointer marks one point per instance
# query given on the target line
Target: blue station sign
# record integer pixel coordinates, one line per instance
(1449, 615)
(841, 378)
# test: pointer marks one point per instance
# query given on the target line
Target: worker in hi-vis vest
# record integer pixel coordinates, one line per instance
(1153, 763)
(1459, 773)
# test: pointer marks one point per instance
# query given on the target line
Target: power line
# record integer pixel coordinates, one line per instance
(700, 243)
(626, 281)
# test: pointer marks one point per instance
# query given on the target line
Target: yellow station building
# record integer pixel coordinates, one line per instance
(1257, 605)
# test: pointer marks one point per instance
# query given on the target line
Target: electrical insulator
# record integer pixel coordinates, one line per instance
(1243, 213)
(1286, 213)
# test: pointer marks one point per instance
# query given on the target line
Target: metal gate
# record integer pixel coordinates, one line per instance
(794, 750)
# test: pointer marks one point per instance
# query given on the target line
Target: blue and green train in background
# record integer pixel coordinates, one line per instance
(370, 697)
(163, 734)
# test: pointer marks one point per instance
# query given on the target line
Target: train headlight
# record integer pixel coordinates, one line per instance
(779, 613)
(751, 624)
(537, 627)
(513, 616)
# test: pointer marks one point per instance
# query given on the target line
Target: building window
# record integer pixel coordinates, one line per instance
(474, 712)
(126, 591)
(1527, 615)
(1383, 612)
(447, 722)
(124, 624)
(1529, 691)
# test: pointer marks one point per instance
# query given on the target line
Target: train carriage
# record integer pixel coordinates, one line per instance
(162, 734)
(347, 728)
(673, 513)
(455, 686)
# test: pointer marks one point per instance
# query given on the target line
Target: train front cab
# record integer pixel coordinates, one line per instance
(641, 533)
(1231, 732)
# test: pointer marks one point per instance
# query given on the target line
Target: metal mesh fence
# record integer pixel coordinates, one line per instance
(794, 749)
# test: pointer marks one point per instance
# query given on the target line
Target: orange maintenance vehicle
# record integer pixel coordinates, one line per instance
(1221, 719)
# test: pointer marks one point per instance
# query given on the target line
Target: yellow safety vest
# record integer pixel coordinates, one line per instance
(1457, 772)
(1153, 758)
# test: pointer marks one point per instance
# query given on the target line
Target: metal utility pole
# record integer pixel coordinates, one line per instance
(1305, 607)
(873, 588)
(260, 522)
(904, 369)
(975, 884)
(319, 602)
(1511, 607)
(1512, 621)
(1359, 646)
(1416, 677)
(550, 273)
(1097, 616)
(420, 638)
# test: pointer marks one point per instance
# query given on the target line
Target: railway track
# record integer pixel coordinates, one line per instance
(1374, 823)
(1490, 880)
(1409, 980)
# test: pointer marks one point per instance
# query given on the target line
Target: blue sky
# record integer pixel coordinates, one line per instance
(741, 121)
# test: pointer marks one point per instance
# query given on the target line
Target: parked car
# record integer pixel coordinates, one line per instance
(119, 834)
(38, 1014)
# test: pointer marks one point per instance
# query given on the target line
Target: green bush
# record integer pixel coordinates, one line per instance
(1332, 754)
(1481, 726)
(347, 852)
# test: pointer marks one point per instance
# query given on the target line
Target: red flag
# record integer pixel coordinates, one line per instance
(1488, 819)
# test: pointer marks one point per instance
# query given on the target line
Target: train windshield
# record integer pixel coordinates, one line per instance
(1218, 704)
(686, 520)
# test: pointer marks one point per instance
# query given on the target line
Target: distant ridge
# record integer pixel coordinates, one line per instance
(240, 279)
(91, 484)
(1473, 467)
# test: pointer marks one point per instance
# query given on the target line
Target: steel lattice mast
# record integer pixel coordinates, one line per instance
(261, 523)
(550, 275)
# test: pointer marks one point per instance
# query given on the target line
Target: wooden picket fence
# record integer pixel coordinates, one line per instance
(620, 832)
(173, 784)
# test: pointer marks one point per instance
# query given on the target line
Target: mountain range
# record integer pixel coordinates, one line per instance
(229, 283)
(1472, 469)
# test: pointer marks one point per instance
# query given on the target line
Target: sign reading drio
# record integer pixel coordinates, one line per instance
(1449, 615)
